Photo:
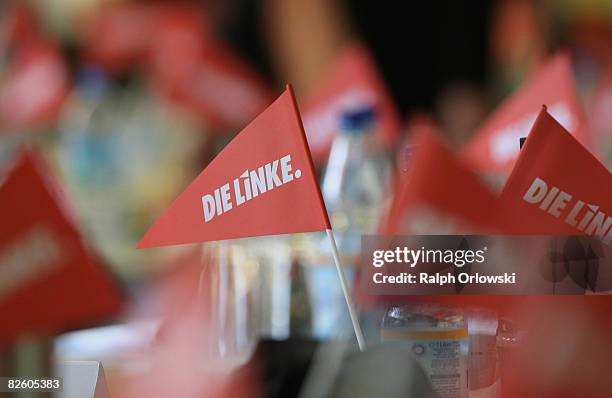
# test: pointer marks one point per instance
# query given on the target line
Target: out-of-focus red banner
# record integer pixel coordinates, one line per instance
(35, 86)
(49, 281)
(558, 186)
(495, 145)
(440, 194)
(353, 81)
(186, 63)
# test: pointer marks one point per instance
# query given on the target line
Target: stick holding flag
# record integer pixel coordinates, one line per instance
(346, 291)
(262, 183)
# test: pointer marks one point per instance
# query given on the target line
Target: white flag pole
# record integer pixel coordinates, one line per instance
(346, 292)
(330, 233)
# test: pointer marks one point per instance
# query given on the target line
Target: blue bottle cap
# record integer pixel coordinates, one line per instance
(357, 120)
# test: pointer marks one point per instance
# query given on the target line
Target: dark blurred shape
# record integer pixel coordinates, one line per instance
(420, 48)
(300, 319)
(281, 366)
(518, 38)
(291, 368)
(460, 108)
(426, 46)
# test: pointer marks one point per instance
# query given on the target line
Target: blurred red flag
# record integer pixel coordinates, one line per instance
(495, 145)
(439, 194)
(186, 62)
(194, 69)
(184, 359)
(49, 281)
(118, 35)
(262, 183)
(564, 350)
(21, 25)
(352, 82)
(35, 86)
(558, 186)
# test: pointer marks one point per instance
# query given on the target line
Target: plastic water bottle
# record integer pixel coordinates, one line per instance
(355, 188)
(357, 178)
(438, 339)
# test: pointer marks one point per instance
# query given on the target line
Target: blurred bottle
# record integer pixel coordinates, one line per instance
(484, 372)
(231, 299)
(357, 179)
(355, 188)
(300, 321)
(121, 164)
(438, 339)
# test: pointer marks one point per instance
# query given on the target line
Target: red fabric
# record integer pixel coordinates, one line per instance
(293, 206)
(21, 25)
(49, 282)
(194, 70)
(495, 145)
(439, 183)
(118, 36)
(184, 60)
(556, 158)
(35, 88)
(353, 80)
(184, 357)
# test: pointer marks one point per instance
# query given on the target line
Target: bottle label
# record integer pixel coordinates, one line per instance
(441, 354)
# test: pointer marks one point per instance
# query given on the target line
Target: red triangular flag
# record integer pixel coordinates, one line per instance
(262, 183)
(201, 73)
(48, 280)
(495, 145)
(352, 81)
(557, 186)
(439, 194)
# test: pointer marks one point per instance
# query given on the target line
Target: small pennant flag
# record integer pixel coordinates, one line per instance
(558, 186)
(439, 194)
(495, 145)
(353, 81)
(49, 281)
(262, 183)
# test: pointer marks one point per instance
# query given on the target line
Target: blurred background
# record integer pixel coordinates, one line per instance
(97, 83)
(129, 100)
